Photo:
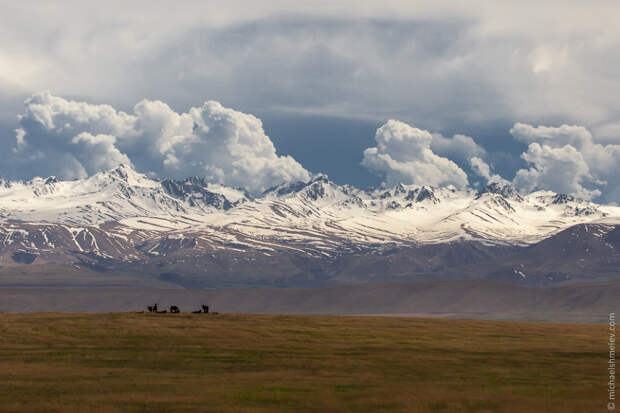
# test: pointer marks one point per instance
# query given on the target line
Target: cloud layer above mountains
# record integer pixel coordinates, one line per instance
(564, 159)
(72, 139)
(76, 139)
(568, 159)
(424, 62)
(441, 67)
(403, 154)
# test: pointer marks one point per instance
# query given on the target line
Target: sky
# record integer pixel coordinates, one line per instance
(253, 94)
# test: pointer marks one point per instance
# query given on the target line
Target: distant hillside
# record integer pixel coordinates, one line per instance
(195, 234)
(456, 299)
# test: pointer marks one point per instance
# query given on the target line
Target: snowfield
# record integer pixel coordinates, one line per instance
(318, 213)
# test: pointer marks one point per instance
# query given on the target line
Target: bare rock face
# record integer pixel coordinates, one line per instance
(422, 194)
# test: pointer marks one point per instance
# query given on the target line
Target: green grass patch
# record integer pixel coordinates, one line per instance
(260, 363)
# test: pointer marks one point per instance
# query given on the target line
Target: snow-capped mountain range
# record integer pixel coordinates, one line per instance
(122, 217)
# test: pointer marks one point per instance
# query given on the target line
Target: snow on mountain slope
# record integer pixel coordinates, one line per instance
(109, 196)
(322, 212)
(134, 216)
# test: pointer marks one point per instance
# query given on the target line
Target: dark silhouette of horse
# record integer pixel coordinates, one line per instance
(205, 309)
(174, 309)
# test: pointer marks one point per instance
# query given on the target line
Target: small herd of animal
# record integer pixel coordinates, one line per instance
(174, 309)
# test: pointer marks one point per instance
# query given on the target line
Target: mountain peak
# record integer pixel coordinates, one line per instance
(298, 186)
(51, 180)
(125, 174)
(198, 191)
(320, 177)
(564, 199)
(123, 171)
(422, 194)
(399, 189)
(505, 190)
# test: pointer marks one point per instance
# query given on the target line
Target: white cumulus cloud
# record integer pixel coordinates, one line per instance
(98, 152)
(74, 139)
(459, 147)
(559, 169)
(568, 159)
(483, 169)
(403, 154)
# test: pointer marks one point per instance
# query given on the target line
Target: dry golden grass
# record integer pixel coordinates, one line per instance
(253, 363)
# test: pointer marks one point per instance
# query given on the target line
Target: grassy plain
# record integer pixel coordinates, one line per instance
(253, 363)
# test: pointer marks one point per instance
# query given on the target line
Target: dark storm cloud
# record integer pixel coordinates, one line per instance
(451, 69)
(359, 68)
